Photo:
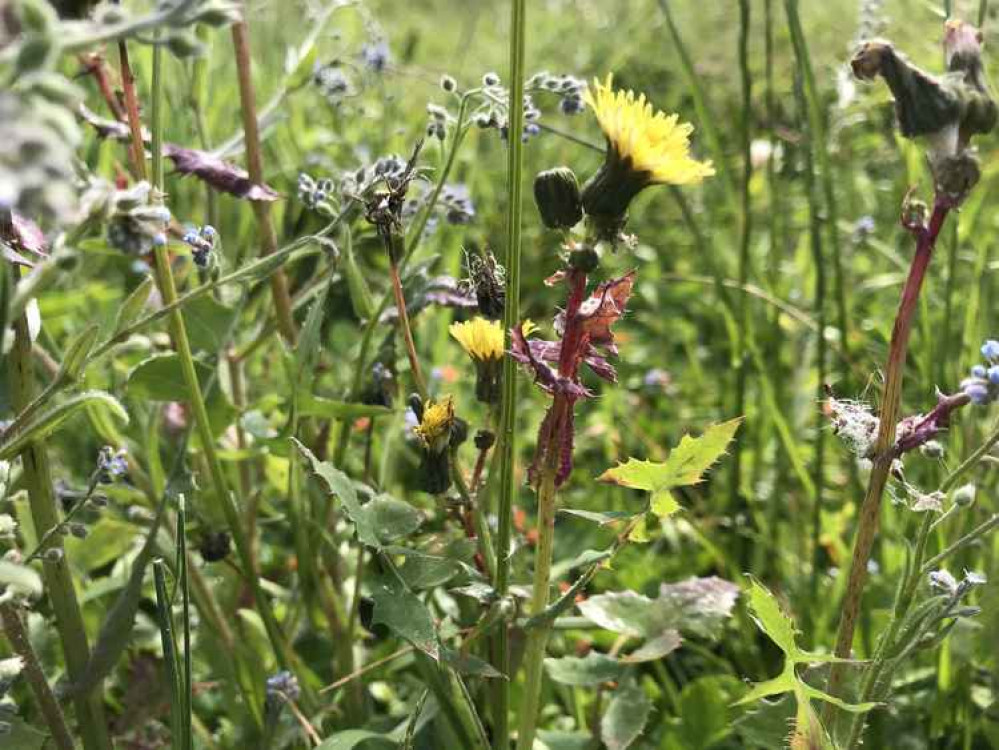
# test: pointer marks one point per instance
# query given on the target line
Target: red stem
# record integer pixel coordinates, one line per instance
(884, 452)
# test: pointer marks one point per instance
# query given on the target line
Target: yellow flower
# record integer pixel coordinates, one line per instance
(481, 339)
(644, 147)
(434, 428)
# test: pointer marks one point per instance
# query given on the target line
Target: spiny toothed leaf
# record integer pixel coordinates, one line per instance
(685, 465)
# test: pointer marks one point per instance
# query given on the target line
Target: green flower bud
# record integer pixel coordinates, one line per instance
(556, 193)
(584, 259)
(964, 495)
(185, 44)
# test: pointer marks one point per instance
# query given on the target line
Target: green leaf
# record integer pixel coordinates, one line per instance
(106, 541)
(75, 357)
(207, 322)
(564, 740)
(404, 614)
(49, 421)
(685, 466)
(421, 571)
(592, 669)
(603, 518)
(771, 618)
(23, 736)
(20, 577)
(116, 631)
(316, 406)
(654, 648)
(853, 708)
(337, 483)
(161, 378)
(625, 718)
(308, 347)
(357, 286)
(392, 519)
(469, 664)
(133, 305)
(782, 683)
(351, 738)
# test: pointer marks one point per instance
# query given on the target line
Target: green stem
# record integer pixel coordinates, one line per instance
(506, 438)
(13, 627)
(407, 331)
(58, 579)
(537, 638)
(170, 662)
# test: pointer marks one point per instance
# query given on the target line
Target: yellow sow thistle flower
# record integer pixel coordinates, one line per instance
(434, 428)
(644, 147)
(483, 341)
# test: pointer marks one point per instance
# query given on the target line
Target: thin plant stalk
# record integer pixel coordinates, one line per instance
(891, 396)
(168, 291)
(55, 570)
(506, 450)
(17, 636)
(171, 664)
(254, 167)
(741, 359)
(404, 326)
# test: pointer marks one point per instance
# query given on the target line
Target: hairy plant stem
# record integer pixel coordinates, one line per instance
(168, 291)
(406, 329)
(561, 420)
(506, 449)
(13, 628)
(254, 166)
(867, 525)
(55, 568)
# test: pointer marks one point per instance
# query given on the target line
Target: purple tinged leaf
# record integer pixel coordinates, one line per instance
(218, 173)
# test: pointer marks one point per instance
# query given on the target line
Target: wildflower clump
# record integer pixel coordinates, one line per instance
(644, 147)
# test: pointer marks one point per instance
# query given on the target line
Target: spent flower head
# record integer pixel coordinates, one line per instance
(644, 147)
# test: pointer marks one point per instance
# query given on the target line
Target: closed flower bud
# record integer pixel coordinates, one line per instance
(964, 495)
(556, 193)
(184, 44)
(584, 259)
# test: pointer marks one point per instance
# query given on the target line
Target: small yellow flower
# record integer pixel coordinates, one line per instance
(644, 147)
(434, 428)
(481, 339)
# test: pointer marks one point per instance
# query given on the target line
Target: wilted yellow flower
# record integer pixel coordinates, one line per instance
(644, 147)
(481, 339)
(434, 428)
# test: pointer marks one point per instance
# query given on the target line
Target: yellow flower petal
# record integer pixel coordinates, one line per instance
(656, 144)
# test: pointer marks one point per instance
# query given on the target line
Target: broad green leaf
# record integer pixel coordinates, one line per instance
(422, 571)
(654, 648)
(697, 605)
(392, 519)
(51, 420)
(351, 738)
(404, 614)
(161, 378)
(684, 466)
(705, 712)
(106, 541)
(207, 321)
(625, 717)
(23, 736)
(337, 483)
(592, 669)
(20, 577)
(316, 406)
(133, 305)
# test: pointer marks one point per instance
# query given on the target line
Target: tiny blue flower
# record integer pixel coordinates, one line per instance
(990, 350)
(993, 374)
(159, 240)
(208, 232)
(190, 237)
(977, 392)
(978, 371)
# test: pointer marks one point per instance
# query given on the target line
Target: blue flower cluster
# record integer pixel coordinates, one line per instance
(983, 385)
(202, 242)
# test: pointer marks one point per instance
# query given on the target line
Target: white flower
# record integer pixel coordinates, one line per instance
(11, 668)
(943, 580)
(8, 526)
